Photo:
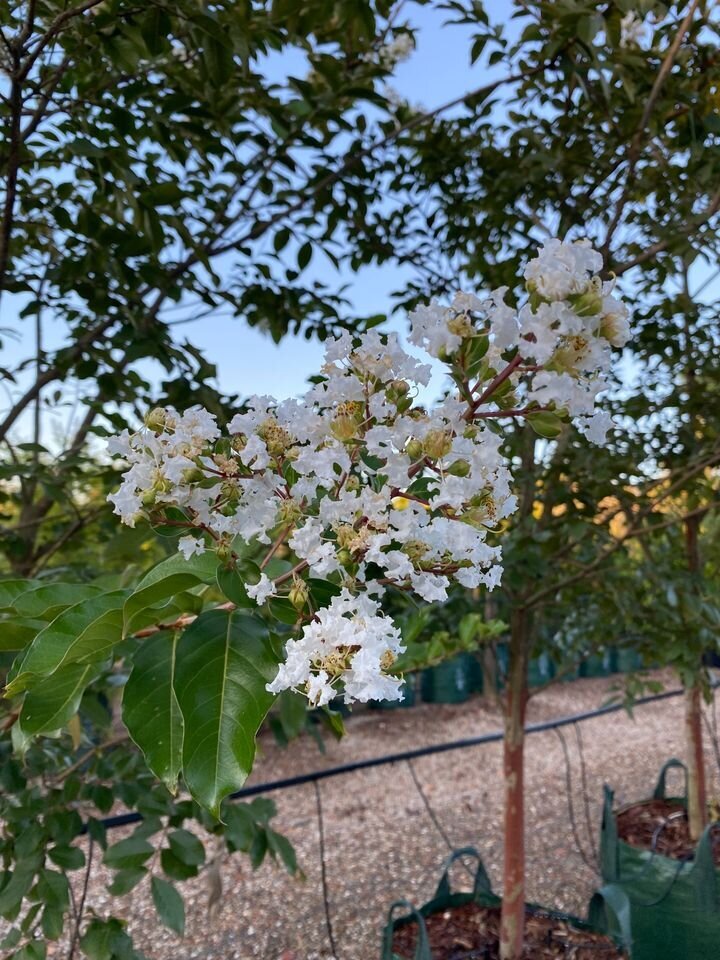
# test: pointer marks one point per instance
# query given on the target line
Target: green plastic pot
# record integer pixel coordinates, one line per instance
(596, 665)
(674, 904)
(452, 681)
(540, 669)
(625, 661)
(608, 912)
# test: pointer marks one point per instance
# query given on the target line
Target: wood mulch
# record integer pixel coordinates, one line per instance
(662, 826)
(472, 932)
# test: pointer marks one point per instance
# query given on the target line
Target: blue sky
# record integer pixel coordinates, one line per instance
(249, 362)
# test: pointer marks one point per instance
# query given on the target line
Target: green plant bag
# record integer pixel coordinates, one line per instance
(450, 682)
(596, 665)
(608, 912)
(674, 904)
(541, 669)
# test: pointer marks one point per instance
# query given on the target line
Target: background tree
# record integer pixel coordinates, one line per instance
(611, 134)
(161, 162)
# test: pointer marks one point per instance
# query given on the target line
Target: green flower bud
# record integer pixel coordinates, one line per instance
(298, 595)
(192, 475)
(437, 444)
(224, 552)
(589, 303)
(461, 468)
(157, 419)
(414, 449)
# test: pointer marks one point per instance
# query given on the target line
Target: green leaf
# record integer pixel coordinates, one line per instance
(223, 665)
(50, 705)
(169, 904)
(169, 577)
(85, 632)
(107, 940)
(17, 634)
(52, 923)
(187, 847)
(546, 424)
(150, 708)
(10, 590)
(69, 858)
(17, 887)
(126, 880)
(49, 600)
(128, 854)
(281, 847)
(232, 585)
(174, 868)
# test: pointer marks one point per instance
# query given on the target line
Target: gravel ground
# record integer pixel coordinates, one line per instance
(381, 843)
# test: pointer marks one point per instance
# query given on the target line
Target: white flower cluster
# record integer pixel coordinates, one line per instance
(398, 50)
(350, 640)
(632, 30)
(366, 486)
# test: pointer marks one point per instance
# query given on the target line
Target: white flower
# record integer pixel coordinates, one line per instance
(260, 591)
(562, 269)
(632, 30)
(429, 329)
(595, 428)
(399, 49)
(189, 546)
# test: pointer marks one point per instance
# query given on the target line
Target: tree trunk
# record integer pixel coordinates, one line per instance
(697, 790)
(512, 925)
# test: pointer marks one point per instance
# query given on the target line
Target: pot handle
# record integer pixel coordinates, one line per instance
(422, 948)
(660, 792)
(481, 885)
(609, 912)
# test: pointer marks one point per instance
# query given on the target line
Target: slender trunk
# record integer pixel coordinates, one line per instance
(512, 925)
(697, 789)
(489, 662)
(694, 748)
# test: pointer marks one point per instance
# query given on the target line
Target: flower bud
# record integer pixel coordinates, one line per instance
(461, 468)
(344, 558)
(298, 595)
(461, 326)
(192, 475)
(589, 303)
(352, 483)
(437, 444)
(224, 552)
(157, 419)
(344, 428)
(148, 499)
(414, 449)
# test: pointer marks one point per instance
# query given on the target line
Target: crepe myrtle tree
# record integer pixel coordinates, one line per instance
(295, 518)
(610, 134)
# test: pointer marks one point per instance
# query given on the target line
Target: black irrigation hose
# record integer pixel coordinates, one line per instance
(124, 819)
